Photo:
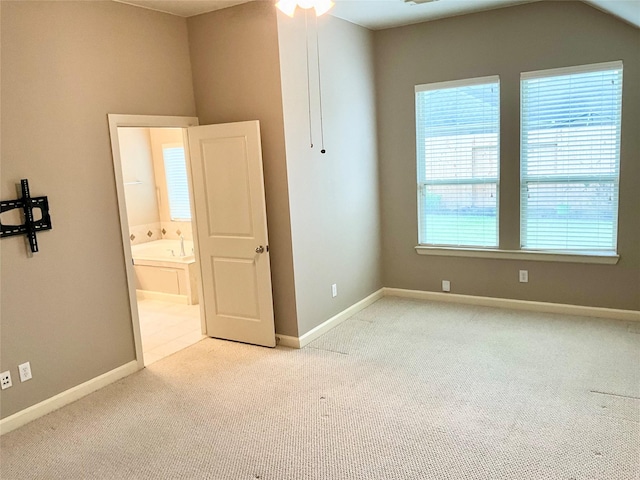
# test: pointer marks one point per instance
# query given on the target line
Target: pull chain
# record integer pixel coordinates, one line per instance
(306, 29)
(319, 89)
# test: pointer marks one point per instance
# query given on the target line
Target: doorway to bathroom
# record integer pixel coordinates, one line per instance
(230, 246)
(160, 236)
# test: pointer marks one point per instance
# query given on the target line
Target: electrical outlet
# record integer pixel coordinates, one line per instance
(524, 276)
(446, 286)
(334, 290)
(5, 380)
(25, 371)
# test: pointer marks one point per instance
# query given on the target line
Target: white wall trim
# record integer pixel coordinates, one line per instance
(629, 315)
(336, 320)
(324, 327)
(538, 256)
(287, 341)
(579, 310)
(145, 121)
(49, 405)
(68, 396)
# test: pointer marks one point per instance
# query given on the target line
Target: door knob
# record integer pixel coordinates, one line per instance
(260, 249)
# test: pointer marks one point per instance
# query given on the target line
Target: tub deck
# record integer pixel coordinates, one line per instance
(162, 274)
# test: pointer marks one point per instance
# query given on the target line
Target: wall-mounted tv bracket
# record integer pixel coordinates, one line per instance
(30, 227)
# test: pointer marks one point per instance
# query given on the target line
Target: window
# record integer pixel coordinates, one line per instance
(570, 158)
(457, 134)
(175, 169)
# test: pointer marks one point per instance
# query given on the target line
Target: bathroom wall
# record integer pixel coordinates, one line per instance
(140, 187)
(145, 184)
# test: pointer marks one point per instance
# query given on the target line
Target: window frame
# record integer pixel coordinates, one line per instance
(168, 146)
(569, 178)
(423, 183)
(578, 256)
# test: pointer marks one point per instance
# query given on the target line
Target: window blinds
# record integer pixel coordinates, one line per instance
(176, 173)
(457, 134)
(570, 158)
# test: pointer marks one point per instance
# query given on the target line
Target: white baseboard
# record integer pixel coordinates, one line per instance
(68, 396)
(47, 406)
(579, 310)
(324, 327)
(287, 341)
(336, 320)
(562, 308)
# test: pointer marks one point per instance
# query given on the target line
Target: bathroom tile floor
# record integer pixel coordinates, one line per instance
(167, 328)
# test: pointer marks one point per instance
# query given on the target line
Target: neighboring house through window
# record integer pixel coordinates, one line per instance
(570, 158)
(569, 161)
(458, 157)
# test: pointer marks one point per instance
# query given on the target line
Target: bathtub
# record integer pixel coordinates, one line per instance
(162, 274)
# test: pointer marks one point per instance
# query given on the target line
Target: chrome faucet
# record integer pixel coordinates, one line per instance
(182, 254)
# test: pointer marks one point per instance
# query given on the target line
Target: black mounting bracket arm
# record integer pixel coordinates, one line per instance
(30, 226)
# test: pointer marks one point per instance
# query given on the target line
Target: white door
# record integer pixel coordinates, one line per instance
(228, 189)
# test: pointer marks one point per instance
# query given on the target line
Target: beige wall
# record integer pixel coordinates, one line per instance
(139, 176)
(333, 197)
(236, 77)
(503, 42)
(65, 66)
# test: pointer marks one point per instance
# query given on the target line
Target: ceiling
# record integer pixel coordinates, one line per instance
(184, 8)
(379, 14)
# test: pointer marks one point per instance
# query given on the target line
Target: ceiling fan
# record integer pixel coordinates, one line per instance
(289, 6)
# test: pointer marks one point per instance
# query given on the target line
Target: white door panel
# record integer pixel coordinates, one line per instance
(228, 187)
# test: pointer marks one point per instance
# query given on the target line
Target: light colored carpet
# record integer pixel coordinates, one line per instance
(403, 390)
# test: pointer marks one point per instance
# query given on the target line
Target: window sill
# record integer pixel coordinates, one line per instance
(541, 256)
